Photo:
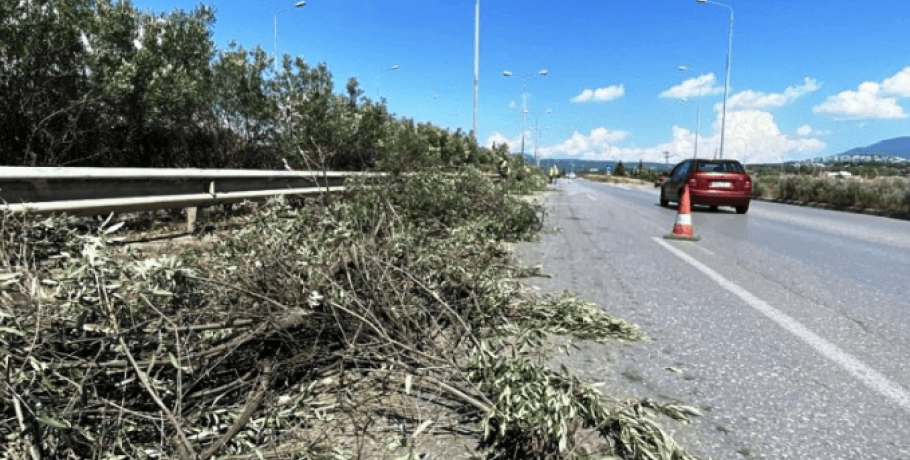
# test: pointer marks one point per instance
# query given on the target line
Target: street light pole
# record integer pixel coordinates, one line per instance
(524, 116)
(683, 68)
(391, 68)
(296, 5)
(537, 138)
(727, 79)
(524, 101)
(697, 126)
(476, 62)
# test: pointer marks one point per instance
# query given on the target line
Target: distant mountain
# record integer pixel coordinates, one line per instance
(899, 147)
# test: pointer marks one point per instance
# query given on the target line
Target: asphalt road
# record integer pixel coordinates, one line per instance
(788, 326)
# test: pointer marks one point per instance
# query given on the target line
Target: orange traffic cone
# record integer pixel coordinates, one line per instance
(683, 228)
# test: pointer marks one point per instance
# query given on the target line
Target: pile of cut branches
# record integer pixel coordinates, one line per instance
(339, 331)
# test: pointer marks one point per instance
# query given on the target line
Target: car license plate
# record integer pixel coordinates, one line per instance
(720, 184)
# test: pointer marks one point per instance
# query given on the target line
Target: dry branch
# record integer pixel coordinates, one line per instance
(252, 405)
(294, 318)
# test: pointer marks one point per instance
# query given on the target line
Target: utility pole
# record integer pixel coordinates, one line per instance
(723, 119)
(476, 62)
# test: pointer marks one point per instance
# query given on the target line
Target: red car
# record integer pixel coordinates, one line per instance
(711, 183)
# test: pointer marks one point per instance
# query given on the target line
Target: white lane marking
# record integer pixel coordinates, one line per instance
(591, 197)
(865, 374)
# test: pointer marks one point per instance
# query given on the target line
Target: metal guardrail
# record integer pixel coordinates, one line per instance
(86, 191)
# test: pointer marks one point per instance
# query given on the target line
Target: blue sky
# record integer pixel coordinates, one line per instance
(808, 79)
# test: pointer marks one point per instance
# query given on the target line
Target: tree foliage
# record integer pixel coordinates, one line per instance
(619, 170)
(102, 83)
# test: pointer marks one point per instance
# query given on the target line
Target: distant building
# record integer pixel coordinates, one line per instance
(876, 157)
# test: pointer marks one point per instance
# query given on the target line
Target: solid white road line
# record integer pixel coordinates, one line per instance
(865, 374)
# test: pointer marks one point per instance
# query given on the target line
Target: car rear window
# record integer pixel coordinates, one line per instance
(720, 166)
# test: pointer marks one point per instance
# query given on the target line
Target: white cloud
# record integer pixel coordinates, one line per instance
(757, 100)
(752, 137)
(693, 87)
(600, 140)
(871, 100)
(865, 104)
(899, 84)
(681, 146)
(600, 94)
(495, 139)
(806, 130)
(514, 143)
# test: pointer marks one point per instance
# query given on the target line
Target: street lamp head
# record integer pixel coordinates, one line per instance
(299, 4)
(394, 67)
(506, 73)
(702, 1)
(682, 68)
(543, 72)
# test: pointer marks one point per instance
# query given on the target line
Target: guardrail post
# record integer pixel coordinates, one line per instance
(191, 219)
(192, 212)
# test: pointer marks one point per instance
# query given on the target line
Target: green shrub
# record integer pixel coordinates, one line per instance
(884, 193)
(524, 179)
(647, 174)
(619, 170)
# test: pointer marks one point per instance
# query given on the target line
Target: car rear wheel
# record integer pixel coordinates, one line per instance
(664, 202)
(742, 209)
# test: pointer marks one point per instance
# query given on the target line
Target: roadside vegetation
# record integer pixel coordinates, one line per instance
(621, 174)
(102, 83)
(876, 187)
(358, 329)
